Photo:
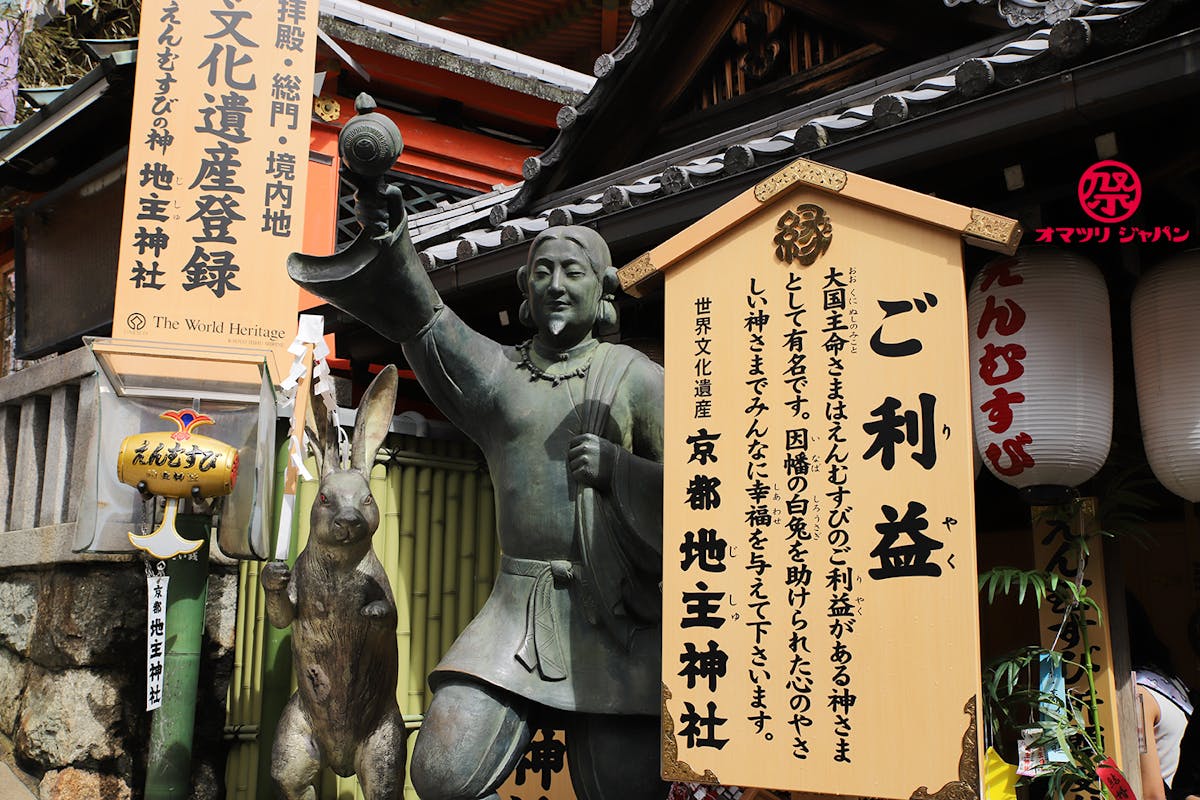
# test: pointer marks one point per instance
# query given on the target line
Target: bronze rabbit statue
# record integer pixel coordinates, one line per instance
(337, 598)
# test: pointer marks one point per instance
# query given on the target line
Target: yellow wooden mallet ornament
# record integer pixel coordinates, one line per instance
(176, 465)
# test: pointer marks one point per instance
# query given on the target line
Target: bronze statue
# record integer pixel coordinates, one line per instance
(344, 714)
(572, 431)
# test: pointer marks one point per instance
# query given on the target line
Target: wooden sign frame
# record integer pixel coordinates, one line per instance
(819, 589)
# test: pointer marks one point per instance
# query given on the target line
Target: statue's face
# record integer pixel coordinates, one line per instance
(564, 292)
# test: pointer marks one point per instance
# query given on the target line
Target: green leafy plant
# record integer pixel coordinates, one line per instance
(1013, 698)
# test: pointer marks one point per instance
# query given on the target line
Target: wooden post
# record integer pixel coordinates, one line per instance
(295, 454)
(1055, 551)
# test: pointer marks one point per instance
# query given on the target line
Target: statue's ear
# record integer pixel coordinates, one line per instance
(610, 281)
(606, 314)
(522, 278)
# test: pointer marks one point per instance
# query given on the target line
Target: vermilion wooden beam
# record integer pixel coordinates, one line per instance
(451, 155)
(608, 26)
(439, 83)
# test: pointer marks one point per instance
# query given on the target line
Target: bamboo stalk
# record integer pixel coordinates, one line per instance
(257, 641)
(437, 548)
(381, 543)
(277, 654)
(233, 772)
(247, 635)
(400, 586)
(409, 792)
(240, 648)
(453, 533)
(486, 550)
(420, 604)
(466, 556)
(252, 630)
(406, 500)
(234, 768)
(253, 748)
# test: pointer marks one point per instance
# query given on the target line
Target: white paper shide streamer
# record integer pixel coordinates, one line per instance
(1041, 358)
(156, 634)
(1166, 337)
(310, 338)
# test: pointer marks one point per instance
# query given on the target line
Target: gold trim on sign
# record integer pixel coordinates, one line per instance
(989, 230)
(636, 271)
(801, 171)
(967, 785)
(672, 768)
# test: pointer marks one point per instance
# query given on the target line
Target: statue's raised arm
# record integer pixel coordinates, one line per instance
(379, 279)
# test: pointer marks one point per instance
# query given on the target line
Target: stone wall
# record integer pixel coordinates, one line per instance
(72, 678)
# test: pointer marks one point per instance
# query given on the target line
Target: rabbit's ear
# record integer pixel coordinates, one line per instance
(374, 419)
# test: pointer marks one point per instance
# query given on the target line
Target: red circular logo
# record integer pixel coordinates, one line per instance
(1109, 191)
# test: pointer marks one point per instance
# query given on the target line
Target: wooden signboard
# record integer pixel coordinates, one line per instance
(218, 157)
(820, 628)
(1055, 536)
(543, 773)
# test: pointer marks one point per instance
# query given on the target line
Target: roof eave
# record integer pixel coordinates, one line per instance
(24, 150)
(1084, 94)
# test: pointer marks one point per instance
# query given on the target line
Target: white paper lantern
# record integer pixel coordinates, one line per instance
(1041, 369)
(1166, 362)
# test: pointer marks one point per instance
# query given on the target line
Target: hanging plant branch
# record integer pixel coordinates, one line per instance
(51, 54)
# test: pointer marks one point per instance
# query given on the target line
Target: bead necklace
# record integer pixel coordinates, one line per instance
(537, 373)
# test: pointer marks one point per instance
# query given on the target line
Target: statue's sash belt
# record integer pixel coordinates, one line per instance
(541, 648)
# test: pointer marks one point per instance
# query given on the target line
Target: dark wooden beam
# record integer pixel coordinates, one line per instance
(545, 26)
(428, 10)
(900, 25)
(846, 70)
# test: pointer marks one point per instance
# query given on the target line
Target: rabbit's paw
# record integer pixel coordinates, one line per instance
(378, 609)
(275, 576)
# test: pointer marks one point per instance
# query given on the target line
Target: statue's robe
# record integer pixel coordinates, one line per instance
(572, 622)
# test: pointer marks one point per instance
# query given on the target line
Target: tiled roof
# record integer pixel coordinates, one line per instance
(486, 223)
(1033, 12)
(441, 43)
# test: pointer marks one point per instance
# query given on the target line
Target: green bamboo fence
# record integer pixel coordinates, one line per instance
(437, 543)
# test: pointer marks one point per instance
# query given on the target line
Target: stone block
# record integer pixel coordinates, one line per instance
(78, 784)
(30, 465)
(74, 716)
(220, 612)
(18, 609)
(92, 616)
(14, 671)
(58, 456)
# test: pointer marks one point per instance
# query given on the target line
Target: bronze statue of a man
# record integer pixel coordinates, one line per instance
(572, 431)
